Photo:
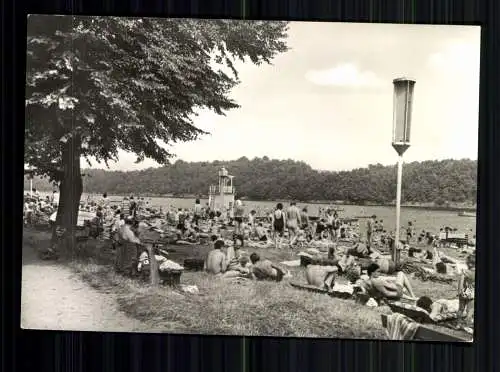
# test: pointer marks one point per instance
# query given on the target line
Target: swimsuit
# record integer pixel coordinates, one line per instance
(279, 222)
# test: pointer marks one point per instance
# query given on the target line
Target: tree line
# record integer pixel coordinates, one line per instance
(431, 182)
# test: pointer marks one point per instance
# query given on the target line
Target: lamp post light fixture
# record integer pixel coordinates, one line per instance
(402, 109)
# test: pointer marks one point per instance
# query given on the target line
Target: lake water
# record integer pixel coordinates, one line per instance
(422, 219)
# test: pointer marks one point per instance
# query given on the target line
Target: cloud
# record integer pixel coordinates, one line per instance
(457, 57)
(343, 75)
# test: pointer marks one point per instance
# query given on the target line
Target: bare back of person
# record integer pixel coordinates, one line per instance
(293, 217)
(321, 276)
(216, 262)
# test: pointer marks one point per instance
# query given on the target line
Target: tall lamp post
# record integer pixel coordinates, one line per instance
(403, 103)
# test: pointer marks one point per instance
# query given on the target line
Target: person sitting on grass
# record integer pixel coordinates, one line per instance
(386, 287)
(321, 276)
(261, 233)
(444, 264)
(265, 269)
(359, 249)
(216, 262)
(423, 254)
(236, 264)
(386, 265)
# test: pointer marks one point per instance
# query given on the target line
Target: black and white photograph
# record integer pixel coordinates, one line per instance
(255, 178)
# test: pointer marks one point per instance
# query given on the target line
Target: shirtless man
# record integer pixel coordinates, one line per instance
(216, 262)
(265, 269)
(370, 225)
(387, 288)
(239, 212)
(293, 221)
(321, 276)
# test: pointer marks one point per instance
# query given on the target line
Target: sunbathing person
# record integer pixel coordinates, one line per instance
(422, 254)
(387, 287)
(321, 276)
(265, 269)
(261, 233)
(444, 264)
(438, 307)
(386, 265)
(216, 261)
(359, 249)
(237, 265)
(345, 262)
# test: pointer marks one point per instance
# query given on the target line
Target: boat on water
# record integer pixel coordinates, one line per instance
(467, 214)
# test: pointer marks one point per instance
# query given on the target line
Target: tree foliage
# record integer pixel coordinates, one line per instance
(435, 182)
(95, 85)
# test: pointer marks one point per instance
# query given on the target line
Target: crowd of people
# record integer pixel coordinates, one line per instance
(359, 257)
(37, 208)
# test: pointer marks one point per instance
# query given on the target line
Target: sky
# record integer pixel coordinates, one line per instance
(328, 101)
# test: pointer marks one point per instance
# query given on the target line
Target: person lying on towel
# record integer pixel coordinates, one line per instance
(387, 287)
(265, 269)
(438, 307)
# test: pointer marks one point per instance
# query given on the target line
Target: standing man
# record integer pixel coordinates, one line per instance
(133, 207)
(197, 211)
(409, 232)
(239, 212)
(370, 225)
(293, 221)
(55, 198)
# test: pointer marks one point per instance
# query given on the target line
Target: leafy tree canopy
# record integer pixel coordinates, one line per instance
(123, 83)
(95, 85)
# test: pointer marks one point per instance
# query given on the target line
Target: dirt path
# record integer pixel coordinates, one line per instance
(54, 298)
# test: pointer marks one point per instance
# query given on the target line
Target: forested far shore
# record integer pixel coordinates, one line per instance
(443, 183)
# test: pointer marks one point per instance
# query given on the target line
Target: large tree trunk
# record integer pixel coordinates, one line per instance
(70, 188)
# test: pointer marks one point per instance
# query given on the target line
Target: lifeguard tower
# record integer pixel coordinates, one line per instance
(221, 196)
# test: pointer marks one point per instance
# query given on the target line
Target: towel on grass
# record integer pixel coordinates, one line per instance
(400, 327)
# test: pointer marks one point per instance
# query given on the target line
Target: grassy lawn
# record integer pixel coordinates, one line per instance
(252, 308)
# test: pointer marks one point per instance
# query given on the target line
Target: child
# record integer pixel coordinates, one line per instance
(466, 290)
